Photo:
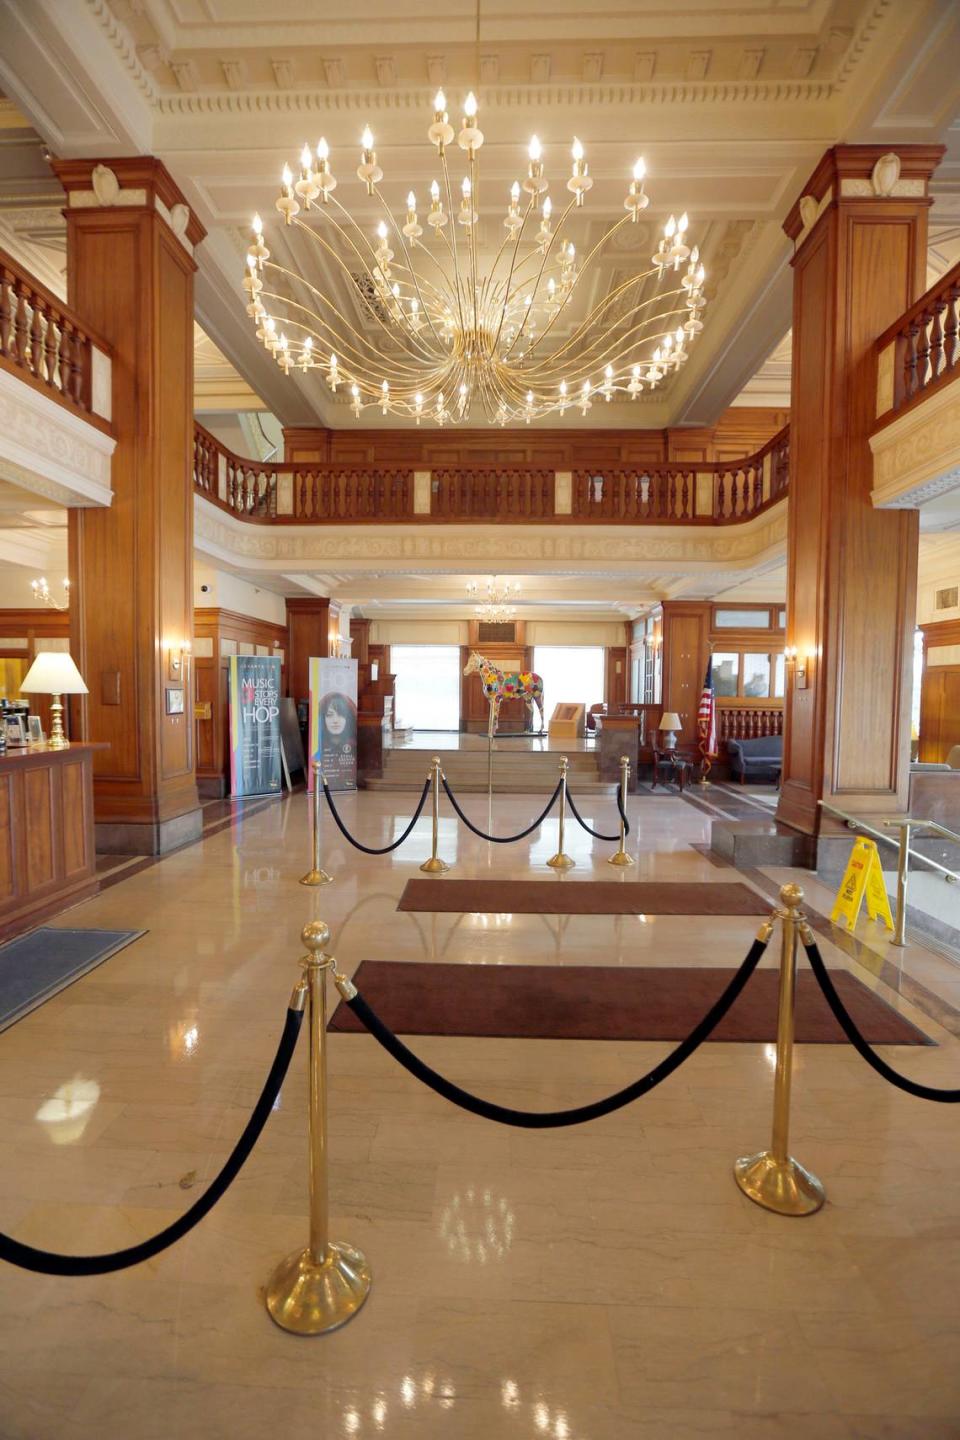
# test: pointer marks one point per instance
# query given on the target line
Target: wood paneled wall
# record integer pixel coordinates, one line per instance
(740, 431)
(131, 564)
(222, 633)
(33, 626)
(851, 588)
(311, 625)
(939, 694)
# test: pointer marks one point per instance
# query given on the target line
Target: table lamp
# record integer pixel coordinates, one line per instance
(669, 722)
(54, 673)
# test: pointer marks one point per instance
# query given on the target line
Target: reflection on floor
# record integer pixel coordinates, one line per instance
(452, 740)
(603, 1283)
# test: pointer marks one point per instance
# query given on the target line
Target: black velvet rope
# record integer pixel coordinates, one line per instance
(501, 839)
(552, 1119)
(384, 849)
(842, 1016)
(597, 835)
(47, 1262)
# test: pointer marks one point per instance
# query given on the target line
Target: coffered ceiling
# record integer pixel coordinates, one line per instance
(731, 103)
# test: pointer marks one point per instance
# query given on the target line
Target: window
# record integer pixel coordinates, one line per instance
(741, 619)
(756, 676)
(726, 674)
(779, 674)
(570, 673)
(428, 686)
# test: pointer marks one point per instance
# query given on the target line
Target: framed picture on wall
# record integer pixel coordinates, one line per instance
(174, 701)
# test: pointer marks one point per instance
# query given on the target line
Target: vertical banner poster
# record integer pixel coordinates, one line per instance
(333, 721)
(254, 724)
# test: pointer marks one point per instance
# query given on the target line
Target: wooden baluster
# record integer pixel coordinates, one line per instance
(950, 328)
(923, 352)
(6, 312)
(721, 496)
(685, 497)
(63, 359)
(77, 368)
(910, 362)
(35, 361)
(19, 322)
(935, 338)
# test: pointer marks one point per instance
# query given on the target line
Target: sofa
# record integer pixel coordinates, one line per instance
(760, 759)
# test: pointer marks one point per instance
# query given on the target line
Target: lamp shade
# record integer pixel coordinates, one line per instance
(53, 673)
(670, 720)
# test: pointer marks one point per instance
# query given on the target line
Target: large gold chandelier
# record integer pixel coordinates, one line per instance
(455, 331)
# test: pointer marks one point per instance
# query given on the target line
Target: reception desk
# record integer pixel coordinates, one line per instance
(46, 833)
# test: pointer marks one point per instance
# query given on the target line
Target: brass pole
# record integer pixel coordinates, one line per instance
(773, 1178)
(322, 1286)
(316, 875)
(560, 861)
(435, 866)
(903, 873)
(621, 857)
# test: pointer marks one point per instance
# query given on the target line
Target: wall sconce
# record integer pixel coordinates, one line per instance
(177, 657)
(802, 665)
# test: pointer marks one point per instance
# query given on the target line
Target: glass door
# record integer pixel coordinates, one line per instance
(427, 693)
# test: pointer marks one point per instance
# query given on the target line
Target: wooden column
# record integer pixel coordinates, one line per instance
(311, 624)
(686, 645)
(130, 268)
(860, 235)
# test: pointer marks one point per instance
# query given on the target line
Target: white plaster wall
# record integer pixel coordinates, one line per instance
(229, 592)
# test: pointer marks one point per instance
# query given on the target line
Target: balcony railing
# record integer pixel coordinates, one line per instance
(701, 493)
(920, 352)
(45, 344)
(736, 722)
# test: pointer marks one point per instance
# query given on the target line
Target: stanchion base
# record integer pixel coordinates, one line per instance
(621, 858)
(316, 877)
(434, 866)
(782, 1186)
(561, 862)
(309, 1299)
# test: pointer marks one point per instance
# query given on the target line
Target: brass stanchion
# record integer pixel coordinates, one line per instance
(560, 861)
(773, 1178)
(316, 875)
(621, 857)
(322, 1286)
(435, 866)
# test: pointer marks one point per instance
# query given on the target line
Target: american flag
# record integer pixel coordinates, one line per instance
(707, 714)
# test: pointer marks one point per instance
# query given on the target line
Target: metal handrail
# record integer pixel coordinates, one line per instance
(903, 856)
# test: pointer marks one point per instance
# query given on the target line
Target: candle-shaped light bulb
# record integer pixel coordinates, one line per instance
(355, 391)
(434, 191)
(639, 169)
(682, 223)
(586, 387)
(609, 372)
(418, 400)
(323, 149)
(366, 139)
(534, 149)
(257, 226)
(547, 208)
(515, 191)
(411, 201)
(382, 230)
(563, 387)
(306, 159)
(466, 187)
(670, 229)
(576, 149)
(251, 262)
(287, 176)
(470, 106)
(385, 387)
(439, 102)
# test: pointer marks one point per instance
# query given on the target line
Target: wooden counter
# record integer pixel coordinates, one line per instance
(47, 856)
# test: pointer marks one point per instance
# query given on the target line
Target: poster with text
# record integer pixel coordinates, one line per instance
(333, 721)
(254, 724)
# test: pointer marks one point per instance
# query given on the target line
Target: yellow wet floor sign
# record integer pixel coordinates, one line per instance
(862, 877)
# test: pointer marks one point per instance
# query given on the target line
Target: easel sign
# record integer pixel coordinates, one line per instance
(863, 877)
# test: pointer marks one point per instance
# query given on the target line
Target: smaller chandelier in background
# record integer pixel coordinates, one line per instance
(496, 599)
(42, 592)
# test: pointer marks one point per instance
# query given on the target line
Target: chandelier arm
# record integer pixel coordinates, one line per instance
(452, 245)
(513, 261)
(409, 265)
(536, 283)
(344, 344)
(623, 351)
(474, 265)
(601, 306)
(324, 299)
(585, 266)
(325, 244)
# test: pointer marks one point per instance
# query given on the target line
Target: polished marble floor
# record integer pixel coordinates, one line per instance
(602, 1283)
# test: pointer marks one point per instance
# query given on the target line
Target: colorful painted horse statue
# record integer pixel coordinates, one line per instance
(498, 686)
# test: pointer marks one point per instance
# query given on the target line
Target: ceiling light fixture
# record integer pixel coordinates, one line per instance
(448, 327)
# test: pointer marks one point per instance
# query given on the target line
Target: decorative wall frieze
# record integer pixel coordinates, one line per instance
(917, 456)
(47, 449)
(608, 549)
